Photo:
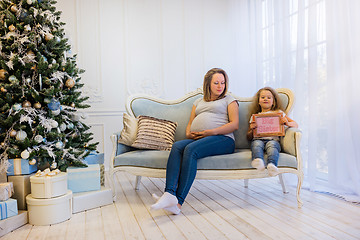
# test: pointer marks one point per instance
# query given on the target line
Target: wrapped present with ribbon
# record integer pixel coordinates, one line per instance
(48, 184)
(94, 158)
(83, 179)
(8, 208)
(6, 190)
(97, 158)
(21, 189)
(19, 166)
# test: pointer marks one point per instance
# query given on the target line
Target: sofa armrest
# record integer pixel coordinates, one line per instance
(118, 148)
(289, 143)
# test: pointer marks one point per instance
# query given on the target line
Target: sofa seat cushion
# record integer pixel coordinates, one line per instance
(241, 159)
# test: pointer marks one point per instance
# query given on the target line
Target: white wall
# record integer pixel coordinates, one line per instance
(158, 47)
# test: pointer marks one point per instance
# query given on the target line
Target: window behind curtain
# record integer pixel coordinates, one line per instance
(292, 53)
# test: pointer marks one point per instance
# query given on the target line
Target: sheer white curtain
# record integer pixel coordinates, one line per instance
(313, 48)
(343, 68)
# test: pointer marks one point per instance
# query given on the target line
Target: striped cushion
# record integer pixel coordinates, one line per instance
(153, 133)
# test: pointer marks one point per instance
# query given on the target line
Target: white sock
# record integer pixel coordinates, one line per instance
(165, 201)
(258, 163)
(173, 209)
(272, 170)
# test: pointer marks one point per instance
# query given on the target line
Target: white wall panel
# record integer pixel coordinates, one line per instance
(219, 41)
(144, 47)
(113, 55)
(88, 44)
(194, 43)
(159, 47)
(173, 48)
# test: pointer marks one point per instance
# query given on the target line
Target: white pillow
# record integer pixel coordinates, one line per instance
(129, 131)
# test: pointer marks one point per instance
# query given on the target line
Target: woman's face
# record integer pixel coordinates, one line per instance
(217, 85)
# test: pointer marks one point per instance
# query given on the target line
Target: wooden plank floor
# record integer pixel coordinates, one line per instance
(214, 210)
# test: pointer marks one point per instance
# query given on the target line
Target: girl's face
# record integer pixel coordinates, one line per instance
(266, 100)
(217, 85)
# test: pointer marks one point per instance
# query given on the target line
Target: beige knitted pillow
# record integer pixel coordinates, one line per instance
(154, 133)
(128, 133)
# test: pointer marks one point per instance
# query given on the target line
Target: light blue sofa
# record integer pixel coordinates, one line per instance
(152, 163)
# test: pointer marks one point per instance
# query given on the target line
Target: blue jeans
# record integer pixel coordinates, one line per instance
(182, 163)
(271, 147)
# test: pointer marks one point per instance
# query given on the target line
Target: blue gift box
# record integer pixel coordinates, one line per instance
(84, 179)
(94, 158)
(8, 208)
(20, 166)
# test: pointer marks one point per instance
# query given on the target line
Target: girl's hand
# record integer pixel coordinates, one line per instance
(284, 121)
(253, 125)
(289, 122)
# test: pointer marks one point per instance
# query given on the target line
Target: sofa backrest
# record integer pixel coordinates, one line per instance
(179, 111)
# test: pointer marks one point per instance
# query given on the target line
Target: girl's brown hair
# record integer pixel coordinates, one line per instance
(255, 108)
(207, 83)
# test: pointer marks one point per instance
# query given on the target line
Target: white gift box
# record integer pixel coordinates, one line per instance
(6, 190)
(10, 224)
(49, 186)
(49, 211)
(93, 199)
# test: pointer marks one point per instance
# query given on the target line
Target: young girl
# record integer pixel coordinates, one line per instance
(209, 132)
(266, 101)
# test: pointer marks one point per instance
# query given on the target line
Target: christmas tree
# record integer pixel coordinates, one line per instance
(40, 88)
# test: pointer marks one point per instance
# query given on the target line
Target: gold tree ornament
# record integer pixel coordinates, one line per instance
(70, 83)
(13, 133)
(32, 162)
(37, 105)
(48, 36)
(26, 104)
(3, 89)
(3, 74)
(12, 28)
(14, 8)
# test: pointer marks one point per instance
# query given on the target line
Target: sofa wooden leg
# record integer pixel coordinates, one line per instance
(246, 183)
(282, 183)
(137, 182)
(112, 184)
(298, 188)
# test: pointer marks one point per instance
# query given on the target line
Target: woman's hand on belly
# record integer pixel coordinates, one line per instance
(191, 135)
(202, 134)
